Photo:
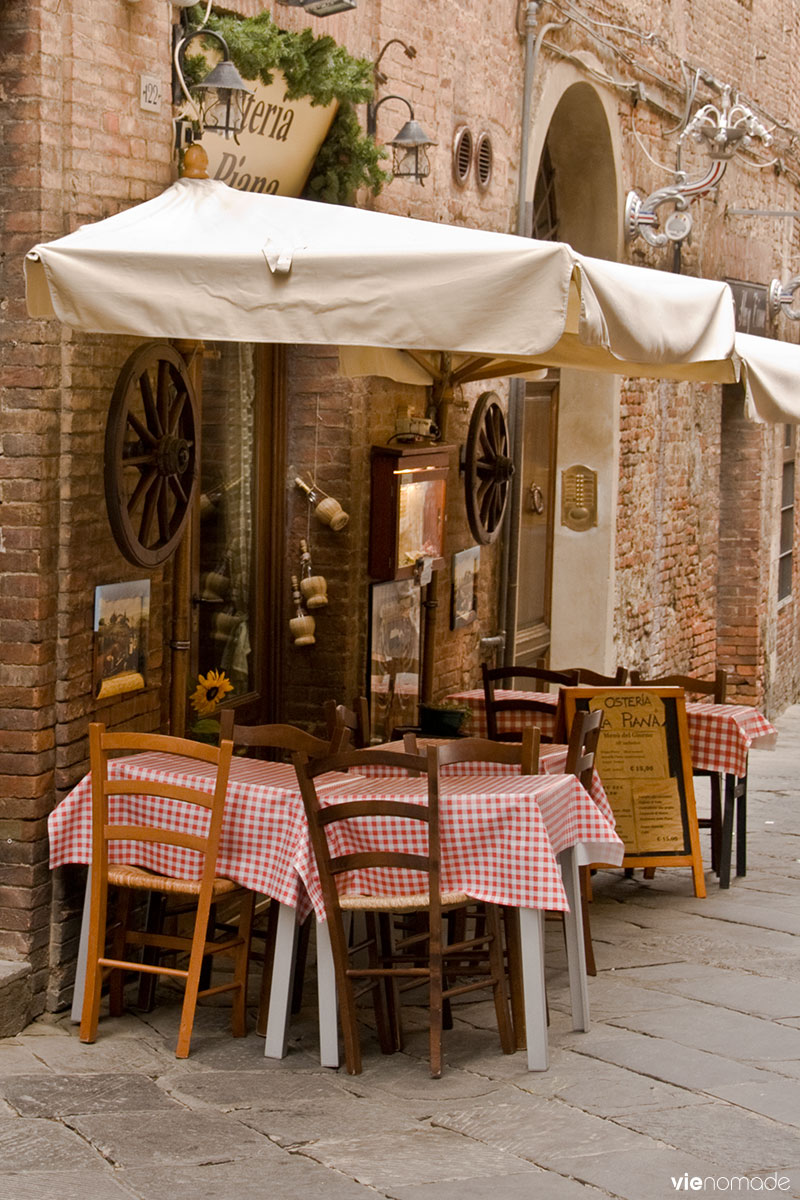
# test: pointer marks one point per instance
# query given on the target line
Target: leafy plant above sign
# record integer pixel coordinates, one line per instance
(317, 68)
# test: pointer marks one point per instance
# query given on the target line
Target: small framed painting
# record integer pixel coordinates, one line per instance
(464, 598)
(121, 625)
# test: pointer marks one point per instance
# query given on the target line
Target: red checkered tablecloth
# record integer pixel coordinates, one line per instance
(552, 761)
(499, 836)
(263, 826)
(499, 833)
(720, 735)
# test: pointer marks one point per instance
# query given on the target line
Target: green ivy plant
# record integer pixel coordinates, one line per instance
(319, 69)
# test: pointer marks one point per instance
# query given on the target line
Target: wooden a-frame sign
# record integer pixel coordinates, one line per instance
(644, 761)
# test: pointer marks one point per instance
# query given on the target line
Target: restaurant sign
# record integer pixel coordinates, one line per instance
(277, 145)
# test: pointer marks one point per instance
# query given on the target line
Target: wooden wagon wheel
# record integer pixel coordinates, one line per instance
(151, 454)
(487, 468)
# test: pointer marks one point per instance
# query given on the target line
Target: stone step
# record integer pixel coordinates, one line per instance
(15, 997)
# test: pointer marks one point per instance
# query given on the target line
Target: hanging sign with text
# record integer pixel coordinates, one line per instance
(277, 146)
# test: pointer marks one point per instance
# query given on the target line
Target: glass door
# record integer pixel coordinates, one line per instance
(534, 571)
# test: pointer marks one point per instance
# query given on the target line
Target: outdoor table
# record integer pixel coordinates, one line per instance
(720, 738)
(552, 761)
(501, 835)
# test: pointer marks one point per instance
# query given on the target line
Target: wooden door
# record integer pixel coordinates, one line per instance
(534, 569)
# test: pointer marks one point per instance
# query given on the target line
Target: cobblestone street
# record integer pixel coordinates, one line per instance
(691, 1069)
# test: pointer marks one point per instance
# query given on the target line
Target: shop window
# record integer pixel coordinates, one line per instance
(786, 553)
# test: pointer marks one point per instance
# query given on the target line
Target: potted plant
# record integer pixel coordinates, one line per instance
(443, 718)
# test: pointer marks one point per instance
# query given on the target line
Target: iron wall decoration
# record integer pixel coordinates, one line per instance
(151, 463)
(488, 468)
(121, 621)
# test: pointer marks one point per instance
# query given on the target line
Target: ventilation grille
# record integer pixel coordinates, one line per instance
(462, 154)
(484, 158)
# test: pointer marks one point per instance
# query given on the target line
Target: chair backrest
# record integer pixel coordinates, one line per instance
(582, 746)
(348, 726)
(103, 744)
(529, 675)
(716, 687)
(334, 816)
(587, 676)
(529, 711)
(525, 753)
(270, 737)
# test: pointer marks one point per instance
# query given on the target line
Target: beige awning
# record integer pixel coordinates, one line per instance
(205, 261)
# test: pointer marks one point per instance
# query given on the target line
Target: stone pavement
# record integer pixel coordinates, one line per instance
(689, 1080)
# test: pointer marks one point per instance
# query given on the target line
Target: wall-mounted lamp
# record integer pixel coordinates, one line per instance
(781, 296)
(723, 130)
(320, 8)
(409, 146)
(219, 102)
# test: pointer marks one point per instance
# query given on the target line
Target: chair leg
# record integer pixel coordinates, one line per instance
(116, 979)
(266, 969)
(192, 985)
(726, 841)
(384, 1022)
(588, 948)
(344, 987)
(716, 821)
(242, 964)
(514, 954)
(300, 965)
(504, 1024)
(741, 825)
(94, 975)
(153, 923)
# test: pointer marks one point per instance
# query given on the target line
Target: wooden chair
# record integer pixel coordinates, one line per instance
(386, 967)
(717, 690)
(593, 678)
(354, 722)
(270, 737)
(130, 878)
(287, 738)
(530, 711)
(581, 749)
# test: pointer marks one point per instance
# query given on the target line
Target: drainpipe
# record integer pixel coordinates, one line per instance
(516, 396)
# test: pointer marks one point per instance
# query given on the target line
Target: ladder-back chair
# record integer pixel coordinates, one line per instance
(385, 968)
(140, 826)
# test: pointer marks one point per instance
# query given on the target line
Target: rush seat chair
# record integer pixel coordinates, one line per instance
(385, 968)
(143, 824)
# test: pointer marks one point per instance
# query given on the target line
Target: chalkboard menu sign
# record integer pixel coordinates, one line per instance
(644, 762)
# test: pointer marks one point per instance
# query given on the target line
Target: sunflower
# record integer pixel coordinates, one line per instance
(210, 691)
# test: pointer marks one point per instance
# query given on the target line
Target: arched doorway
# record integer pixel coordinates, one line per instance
(565, 577)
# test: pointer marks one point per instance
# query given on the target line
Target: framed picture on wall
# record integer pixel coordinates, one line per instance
(121, 625)
(464, 595)
(394, 655)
